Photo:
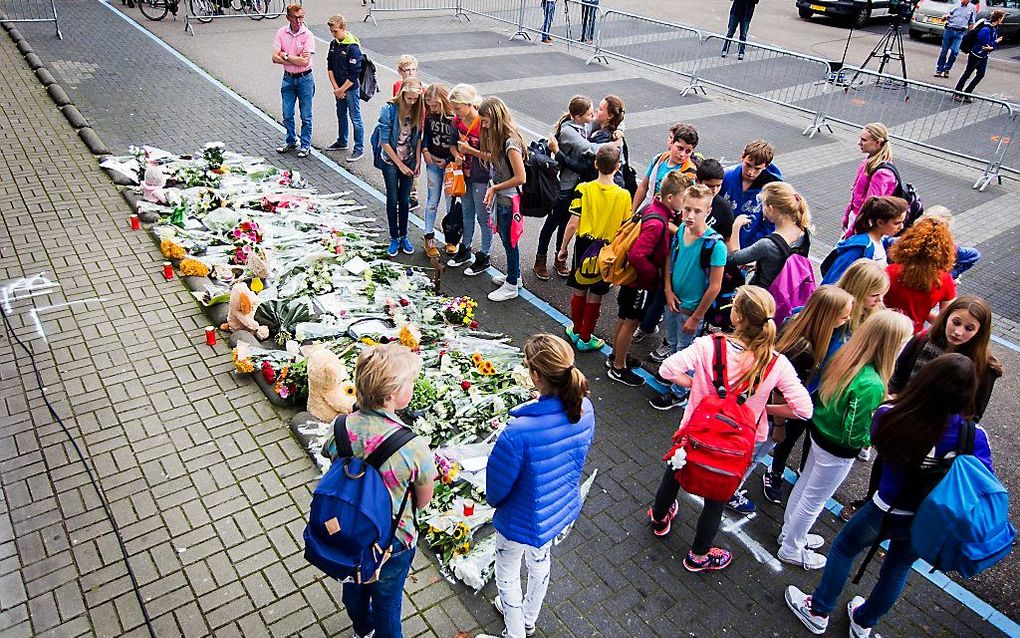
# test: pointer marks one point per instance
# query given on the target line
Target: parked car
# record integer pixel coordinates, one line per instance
(927, 19)
(855, 12)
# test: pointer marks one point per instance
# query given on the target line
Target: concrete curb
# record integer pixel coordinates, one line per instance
(74, 116)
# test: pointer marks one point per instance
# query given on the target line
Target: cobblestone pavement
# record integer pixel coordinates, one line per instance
(203, 476)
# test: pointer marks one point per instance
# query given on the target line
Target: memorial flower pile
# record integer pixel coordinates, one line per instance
(324, 280)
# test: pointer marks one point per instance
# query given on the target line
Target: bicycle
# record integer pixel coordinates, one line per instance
(204, 10)
(156, 10)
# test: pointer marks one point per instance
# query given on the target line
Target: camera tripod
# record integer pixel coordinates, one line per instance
(888, 49)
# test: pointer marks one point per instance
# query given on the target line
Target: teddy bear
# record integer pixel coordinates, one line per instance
(330, 392)
(153, 186)
(241, 315)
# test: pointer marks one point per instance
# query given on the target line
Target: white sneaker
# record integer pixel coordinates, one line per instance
(499, 280)
(800, 604)
(504, 293)
(856, 631)
(814, 541)
(864, 454)
(529, 630)
(805, 558)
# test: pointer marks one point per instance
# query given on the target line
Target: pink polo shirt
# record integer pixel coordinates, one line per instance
(295, 44)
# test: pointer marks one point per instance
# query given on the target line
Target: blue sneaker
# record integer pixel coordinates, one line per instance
(571, 335)
(394, 247)
(405, 245)
(740, 504)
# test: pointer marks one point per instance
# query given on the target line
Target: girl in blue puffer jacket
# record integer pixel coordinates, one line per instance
(533, 477)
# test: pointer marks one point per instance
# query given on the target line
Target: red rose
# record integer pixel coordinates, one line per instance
(465, 385)
(268, 373)
(404, 302)
(474, 325)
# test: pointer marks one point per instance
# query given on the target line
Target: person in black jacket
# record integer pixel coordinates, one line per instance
(740, 15)
(343, 64)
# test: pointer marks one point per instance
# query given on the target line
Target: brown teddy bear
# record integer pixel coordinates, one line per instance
(241, 315)
(330, 391)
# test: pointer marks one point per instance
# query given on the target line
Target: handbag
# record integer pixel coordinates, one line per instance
(453, 180)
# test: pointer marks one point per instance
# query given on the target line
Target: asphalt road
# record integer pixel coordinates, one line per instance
(776, 23)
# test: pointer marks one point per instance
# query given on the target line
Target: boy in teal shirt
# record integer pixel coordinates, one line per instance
(690, 291)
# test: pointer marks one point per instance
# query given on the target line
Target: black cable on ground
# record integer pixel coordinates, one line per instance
(88, 469)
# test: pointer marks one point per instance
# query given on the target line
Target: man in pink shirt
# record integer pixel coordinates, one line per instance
(294, 48)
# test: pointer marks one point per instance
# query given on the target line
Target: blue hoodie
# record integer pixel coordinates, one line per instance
(746, 202)
(848, 251)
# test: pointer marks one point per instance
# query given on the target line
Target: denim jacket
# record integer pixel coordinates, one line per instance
(387, 131)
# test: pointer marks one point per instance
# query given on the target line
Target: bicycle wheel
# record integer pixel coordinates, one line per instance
(154, 9)
(273, 9)
(256, 9)
(203, 10)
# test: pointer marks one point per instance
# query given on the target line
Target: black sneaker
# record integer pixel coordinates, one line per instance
(772, 487)
(337, 146)
(626, 377)
(661, 353)
(632, 362)
(478, 266)
(413, 204)
(640, 335)
(462, 257)
(667, 401)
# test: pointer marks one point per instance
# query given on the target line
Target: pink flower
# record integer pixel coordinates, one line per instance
(237, 233)
(390, 479)
(373, 443)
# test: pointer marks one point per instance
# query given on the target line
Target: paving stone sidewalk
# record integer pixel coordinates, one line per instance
(194, 458)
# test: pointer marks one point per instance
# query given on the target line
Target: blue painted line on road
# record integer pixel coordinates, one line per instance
(965, 597)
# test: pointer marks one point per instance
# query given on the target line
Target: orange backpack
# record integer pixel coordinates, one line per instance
(614, 261)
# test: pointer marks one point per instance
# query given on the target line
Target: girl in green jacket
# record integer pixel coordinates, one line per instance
(853, 386)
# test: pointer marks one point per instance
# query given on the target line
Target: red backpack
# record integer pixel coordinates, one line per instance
(719, 438)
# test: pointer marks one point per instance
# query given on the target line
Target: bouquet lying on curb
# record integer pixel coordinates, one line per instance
(322, 280)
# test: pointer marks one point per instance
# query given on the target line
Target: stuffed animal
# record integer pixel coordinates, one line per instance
(153, 186)
(241, 315)
(330, 391)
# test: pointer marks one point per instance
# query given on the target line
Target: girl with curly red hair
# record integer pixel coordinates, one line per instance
(919, 275)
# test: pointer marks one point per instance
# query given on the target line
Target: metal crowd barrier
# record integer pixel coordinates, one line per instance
(209, 10)
(968, 126)
(30, 11)
(981, 129)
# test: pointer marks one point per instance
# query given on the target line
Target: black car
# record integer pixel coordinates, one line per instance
(855, 12)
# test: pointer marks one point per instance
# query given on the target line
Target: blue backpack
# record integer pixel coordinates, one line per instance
(351, 526)
(963, 524)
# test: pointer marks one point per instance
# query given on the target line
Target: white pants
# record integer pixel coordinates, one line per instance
(822, 475)
(517, 612)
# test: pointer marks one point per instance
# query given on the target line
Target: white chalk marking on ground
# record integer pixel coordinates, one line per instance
(734, 528)
(34, 286)
(34, 313)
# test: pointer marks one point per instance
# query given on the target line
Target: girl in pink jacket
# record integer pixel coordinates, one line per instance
(749, 351)
(874, 178)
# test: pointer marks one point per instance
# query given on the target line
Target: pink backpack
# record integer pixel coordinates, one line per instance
(795, 281)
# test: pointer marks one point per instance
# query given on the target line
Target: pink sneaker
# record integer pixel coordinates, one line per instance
(661, 528)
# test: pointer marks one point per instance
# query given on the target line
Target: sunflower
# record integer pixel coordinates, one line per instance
(460, 531)
(477, 358)
(486, 368)
(349, 390)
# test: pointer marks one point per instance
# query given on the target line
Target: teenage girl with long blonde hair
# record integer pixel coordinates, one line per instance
(853, 386)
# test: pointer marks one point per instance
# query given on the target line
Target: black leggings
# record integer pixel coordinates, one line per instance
(708, 522)
(794, 429)
(555, 222)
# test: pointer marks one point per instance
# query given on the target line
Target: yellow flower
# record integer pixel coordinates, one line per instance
(349, 390)
(171, 250)
(477, 358)
(410, 337)
(243, 365)
(193, 268)
(369, 341)
(485, 367)
(460, 531)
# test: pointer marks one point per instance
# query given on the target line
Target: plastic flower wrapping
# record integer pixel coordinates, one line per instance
(326, 280)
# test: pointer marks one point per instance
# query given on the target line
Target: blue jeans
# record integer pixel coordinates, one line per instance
(398, 200)
(350, 105)
(588, 19)
(434, 180)
(548, 13)
(951, 40)
(504, 215)
(298, 90)
(677, 339)
(377, 606)
(856, 537)
(744, 23)
(475, 209)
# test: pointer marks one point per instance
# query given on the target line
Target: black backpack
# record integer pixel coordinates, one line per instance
(542, 181)
(368, 85)
(453, 222)
(905, 191)
(718, 314)
(970, 38)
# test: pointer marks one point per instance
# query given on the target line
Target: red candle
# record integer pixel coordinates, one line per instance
(168, 270)
(469, 508)
(210, 336)
(135, 224)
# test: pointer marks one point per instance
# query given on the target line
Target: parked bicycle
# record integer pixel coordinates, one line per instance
(204, 10)
(156, 9)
